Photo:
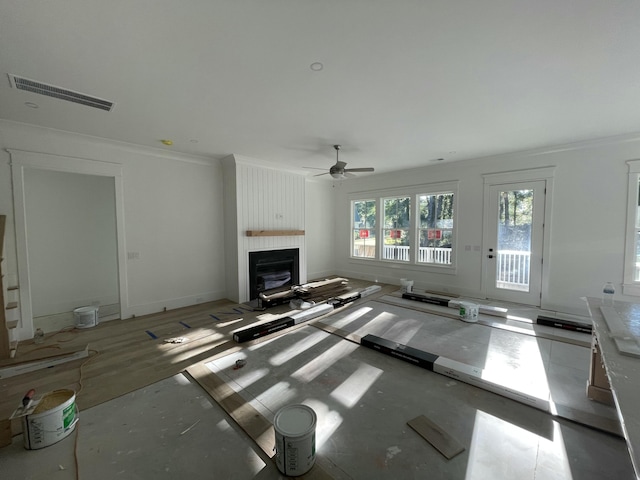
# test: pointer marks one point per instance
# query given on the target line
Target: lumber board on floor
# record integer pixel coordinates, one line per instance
(21, 367)
(251, 421)
(42, 354)
(128, 359)
(337, 331)
(436, 436)
(5, 432)
(245, 415)
(493, 322)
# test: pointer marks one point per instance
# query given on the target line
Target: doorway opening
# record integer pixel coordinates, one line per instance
(516, 227)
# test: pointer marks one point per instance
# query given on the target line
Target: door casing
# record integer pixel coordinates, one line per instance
(508, 179)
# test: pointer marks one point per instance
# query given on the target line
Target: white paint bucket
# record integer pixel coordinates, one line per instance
(86, 317)
(54, 418)
(406, 286)
(468, 312)
(295, 427)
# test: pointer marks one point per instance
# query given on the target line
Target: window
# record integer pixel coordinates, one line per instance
(416, 226)
(631, 284)
(364, 228)
(435, 230)
(396, 234)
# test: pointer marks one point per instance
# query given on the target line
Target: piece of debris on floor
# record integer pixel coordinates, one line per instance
(175, 340)
(182, 433)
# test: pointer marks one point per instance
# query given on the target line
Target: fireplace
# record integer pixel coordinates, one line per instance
(269, 269)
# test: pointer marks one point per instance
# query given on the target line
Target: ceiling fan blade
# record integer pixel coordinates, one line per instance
(320, 174)
(315, 168)
(363, 169)
(340, 165)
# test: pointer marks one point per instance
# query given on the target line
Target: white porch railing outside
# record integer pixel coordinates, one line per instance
(434, 255)
(512, 271)
(425, 254)
(395, 252)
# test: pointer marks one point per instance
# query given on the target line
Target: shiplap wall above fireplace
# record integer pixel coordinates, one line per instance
(259, 198)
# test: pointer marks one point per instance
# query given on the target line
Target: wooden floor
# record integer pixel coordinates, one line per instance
(125, 357)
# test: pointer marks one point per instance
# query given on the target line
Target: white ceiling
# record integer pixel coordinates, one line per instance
(404, 81)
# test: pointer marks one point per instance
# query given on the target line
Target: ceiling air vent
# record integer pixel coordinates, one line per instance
(62, 93)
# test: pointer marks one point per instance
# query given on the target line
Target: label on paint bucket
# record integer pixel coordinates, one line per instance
(468, 312)
(68, 415)
(406, 286)
(295, 430)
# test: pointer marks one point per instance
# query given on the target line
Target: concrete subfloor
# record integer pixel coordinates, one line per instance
(533, 365)
(171, 429)
(363, 400)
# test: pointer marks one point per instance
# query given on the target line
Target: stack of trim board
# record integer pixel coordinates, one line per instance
(296, 317)
(322, 289)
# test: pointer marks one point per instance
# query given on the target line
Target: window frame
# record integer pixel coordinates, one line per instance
(384, 228)
(353, 229)
(413, 192)
(631, 286)
(419, 229)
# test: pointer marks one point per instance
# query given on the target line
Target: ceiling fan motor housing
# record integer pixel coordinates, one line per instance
(336, 172)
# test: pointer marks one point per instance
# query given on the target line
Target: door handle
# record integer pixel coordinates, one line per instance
(489, 256)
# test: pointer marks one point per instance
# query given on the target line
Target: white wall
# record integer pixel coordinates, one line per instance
(71, 235)
(587, 220)
(320, 224)
(173, 213)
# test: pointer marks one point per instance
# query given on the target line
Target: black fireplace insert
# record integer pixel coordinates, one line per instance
(272, 269)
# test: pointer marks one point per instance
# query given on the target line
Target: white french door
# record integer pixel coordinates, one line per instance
(513, 241)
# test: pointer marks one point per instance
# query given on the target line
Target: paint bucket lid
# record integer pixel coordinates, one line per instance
(52, 400)
(85, 310)
(295, 420)
(468, 304)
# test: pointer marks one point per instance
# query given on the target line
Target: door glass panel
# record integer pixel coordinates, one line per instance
(515, 215)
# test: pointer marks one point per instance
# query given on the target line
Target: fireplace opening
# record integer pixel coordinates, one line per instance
(270, 269)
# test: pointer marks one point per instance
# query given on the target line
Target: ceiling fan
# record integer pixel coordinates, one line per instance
(338, 171)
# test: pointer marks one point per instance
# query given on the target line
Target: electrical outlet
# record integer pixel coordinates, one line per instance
(133, 255)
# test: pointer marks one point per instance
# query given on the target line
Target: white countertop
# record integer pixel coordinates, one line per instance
(623, 371)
